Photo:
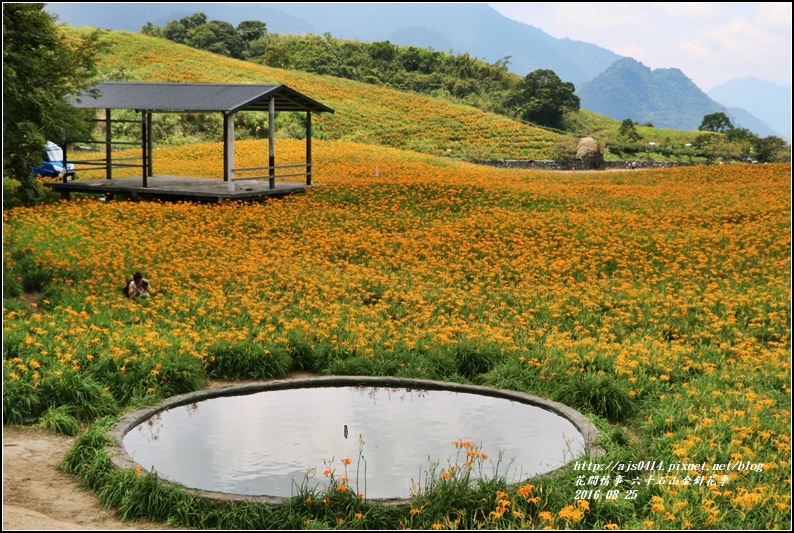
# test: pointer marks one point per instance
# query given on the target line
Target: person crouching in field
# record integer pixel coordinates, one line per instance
(138, 286)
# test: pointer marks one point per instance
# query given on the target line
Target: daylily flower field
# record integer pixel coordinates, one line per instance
(657, 302)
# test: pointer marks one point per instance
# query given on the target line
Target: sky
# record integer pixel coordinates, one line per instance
(710, 43)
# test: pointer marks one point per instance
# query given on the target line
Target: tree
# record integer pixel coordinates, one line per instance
(152, 30)
(740, 135)
(743, 141)
(542, 98)
(718, 122)
(276, 55)
(174, 31)
(254, 36)
(40, 69)
(772, 148)
(251, 30)
(628, 131)
(178, 30)
(382, 51)
(217, 37)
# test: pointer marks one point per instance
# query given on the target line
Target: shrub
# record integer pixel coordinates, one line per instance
(21, 399)
(600, 393)
(247, 359)
(60, 420)
(78, 393)
(473, 360)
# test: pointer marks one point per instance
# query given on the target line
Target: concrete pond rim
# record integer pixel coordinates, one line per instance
(121, 460)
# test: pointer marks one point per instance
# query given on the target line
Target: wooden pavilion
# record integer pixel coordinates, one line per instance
(228, 99)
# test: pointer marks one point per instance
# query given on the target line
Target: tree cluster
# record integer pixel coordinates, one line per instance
(458, 77)
(719, 140)
(739, 143)
(244, 41)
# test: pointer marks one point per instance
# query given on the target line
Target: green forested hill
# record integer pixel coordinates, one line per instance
(363, 112)
(665, 98)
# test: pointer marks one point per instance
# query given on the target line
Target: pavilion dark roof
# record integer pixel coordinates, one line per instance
(195, 97)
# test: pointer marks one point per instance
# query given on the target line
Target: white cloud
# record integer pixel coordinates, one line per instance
(745, 45)
(697, 48)
(687, 11)
(775, 15)
(595, 18)
(635, 52)
(598, 22)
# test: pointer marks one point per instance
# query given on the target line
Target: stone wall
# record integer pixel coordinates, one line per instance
(547, 164)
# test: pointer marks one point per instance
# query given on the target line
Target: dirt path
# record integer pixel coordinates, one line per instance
(38, 496)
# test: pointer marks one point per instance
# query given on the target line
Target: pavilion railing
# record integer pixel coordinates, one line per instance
(109, 163)
(271, 175)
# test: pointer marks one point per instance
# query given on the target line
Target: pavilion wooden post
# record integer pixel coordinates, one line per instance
(149, 137)
(65, 145)
(228, 149)
(272, 155)
(108, 152)
(308, 147)
(144, 146)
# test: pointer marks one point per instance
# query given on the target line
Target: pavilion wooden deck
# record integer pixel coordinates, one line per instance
(177, 188)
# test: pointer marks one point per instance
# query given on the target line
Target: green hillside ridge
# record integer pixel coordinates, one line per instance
(363, 112)
(459, 78)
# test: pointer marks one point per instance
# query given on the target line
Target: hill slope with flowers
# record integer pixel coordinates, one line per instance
(363, 113)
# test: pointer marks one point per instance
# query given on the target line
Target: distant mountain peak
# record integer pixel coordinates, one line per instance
(666, 98)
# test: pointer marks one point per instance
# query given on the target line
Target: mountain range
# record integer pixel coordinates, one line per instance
(629, 89)
(665, 97)
(769, 102)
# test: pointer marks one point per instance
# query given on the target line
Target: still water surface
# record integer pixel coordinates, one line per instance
(265, 443)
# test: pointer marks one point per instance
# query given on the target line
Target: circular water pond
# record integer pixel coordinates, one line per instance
(270, 439)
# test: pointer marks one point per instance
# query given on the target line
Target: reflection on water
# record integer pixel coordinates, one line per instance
(265, 443)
